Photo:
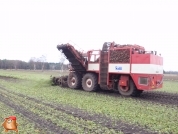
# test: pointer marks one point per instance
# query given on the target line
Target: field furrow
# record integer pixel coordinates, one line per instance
(58, 120)
(157, 97)
(37, 120)
(25, 126)
(98, 123)
(160, 98)
(77, 111)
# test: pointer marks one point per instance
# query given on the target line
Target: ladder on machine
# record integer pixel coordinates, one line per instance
(104, 70)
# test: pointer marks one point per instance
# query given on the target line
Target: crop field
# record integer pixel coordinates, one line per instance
(41, 108)
(171, 77)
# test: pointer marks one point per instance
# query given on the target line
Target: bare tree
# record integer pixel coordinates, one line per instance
(34, 61)
(42, 60)
(15, 63)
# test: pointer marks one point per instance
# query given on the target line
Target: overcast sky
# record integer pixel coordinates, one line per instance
(31, 28)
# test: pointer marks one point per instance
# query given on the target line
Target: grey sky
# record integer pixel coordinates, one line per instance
(30, 28)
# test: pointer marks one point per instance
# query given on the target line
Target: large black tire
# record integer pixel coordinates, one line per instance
(55, 81)
(62, 81)
(132, 91)
(74, 80)
(90, 82)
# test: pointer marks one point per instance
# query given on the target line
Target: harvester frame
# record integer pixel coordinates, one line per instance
(141, 70)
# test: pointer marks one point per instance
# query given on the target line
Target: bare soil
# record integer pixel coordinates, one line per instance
(157, 97)
(163, 98)
(7, 78)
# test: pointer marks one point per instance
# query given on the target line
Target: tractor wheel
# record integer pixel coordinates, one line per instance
(74, 80)
(59, 81)
(129, 91)
(90, 82)
(64, 81)
(56, 80)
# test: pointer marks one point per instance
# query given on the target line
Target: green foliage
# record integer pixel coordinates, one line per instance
(160, 118)
(170, 86)
(25, 126)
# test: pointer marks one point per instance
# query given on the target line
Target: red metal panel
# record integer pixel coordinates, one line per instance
(140, 59)
(157, 77)
(122, 82)
(155, 59)
(146, 59)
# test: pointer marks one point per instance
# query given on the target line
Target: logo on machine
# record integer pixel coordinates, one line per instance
(118, 67)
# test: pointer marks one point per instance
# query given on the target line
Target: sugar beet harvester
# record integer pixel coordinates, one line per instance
(128, 69)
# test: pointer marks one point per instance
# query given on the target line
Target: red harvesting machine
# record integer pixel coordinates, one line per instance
(128, 69)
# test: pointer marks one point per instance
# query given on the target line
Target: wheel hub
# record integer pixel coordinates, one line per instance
(124, 88)
(60, 81)
(73, 81)
(89, 83)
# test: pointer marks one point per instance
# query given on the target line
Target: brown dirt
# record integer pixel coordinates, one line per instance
(157, 97)
(97, 118)
(7, 78)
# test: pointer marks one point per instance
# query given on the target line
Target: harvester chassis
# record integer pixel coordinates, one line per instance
(128, 69)
(88, 82)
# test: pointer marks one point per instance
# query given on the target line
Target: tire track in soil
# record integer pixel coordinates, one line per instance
(157, 97)
(39, 122)
(170, 99)
(97, 118)
(86, 129)
(11, 79)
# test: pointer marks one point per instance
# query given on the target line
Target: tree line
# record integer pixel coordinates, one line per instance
(41, 64)
(32, 65)
(170, 72)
